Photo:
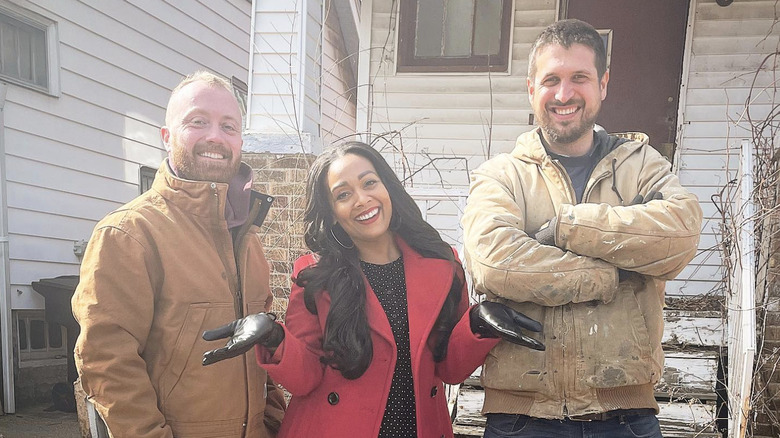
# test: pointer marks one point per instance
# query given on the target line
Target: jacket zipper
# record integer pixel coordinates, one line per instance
(240, 310)
(562, 309)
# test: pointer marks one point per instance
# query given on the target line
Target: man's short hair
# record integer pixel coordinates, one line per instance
(568, 32)
(199, 76)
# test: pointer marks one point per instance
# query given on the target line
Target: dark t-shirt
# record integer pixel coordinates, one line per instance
(580, 168)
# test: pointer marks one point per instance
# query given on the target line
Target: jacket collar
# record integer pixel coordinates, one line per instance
(529, 147)
(197, 197)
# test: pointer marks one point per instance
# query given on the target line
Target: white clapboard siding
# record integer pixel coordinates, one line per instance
(442, 209)
(276, 46)
(74, 157)
(286, 82)
(37, 223)
(54, 177)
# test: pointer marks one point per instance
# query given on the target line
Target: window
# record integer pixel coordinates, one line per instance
(26, 47)
(145, 178)
(39, 340)
(454, 35)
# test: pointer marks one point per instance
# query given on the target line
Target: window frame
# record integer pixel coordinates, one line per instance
(51, 46)
(407, 63)
(146, 178)
(30, 357)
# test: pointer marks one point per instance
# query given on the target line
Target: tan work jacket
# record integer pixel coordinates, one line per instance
(603, 337)
(158, 272)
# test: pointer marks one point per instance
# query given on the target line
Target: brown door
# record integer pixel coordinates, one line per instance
(648, 39)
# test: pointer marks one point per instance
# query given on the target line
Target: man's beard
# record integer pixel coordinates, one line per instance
(189, 166)
(572, 130)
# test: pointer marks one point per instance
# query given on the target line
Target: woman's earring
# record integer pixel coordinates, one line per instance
(339, 242)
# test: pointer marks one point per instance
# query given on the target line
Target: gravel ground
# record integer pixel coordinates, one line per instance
(37, 422)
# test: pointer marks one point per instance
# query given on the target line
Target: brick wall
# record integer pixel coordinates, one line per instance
(282, 176)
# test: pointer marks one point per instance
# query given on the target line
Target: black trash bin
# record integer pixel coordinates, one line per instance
(58, 291)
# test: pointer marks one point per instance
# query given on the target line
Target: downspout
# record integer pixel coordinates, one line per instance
(300, 68)
(6, 341)
(251, 67)
(363, 81)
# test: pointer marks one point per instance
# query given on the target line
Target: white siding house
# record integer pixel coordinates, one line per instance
(74, 144)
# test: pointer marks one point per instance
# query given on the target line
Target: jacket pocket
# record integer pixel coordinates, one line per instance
(517, 368)
(613, 342)
(512, 367)
(189, 333)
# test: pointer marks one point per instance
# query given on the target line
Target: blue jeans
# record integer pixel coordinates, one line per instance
(519, 426)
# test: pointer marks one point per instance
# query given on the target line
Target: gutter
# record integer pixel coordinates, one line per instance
(6, 327)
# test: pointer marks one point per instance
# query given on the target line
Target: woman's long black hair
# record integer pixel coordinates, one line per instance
(347, 338)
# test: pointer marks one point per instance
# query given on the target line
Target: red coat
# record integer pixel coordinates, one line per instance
(325, 404)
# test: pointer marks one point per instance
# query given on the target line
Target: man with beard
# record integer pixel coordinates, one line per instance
(182, 257)
(579, 230)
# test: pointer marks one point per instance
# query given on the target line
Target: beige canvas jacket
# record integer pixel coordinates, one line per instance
(603, 336)
(156, 274)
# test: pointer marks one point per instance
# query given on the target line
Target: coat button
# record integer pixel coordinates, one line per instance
(333, 398)
(434, 391)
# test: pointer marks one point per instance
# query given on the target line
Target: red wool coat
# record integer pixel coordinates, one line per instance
(325, 404)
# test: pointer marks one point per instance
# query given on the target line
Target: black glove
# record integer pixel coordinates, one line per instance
(546, 233)
(244, 333)
(653, 195)
(495, 320)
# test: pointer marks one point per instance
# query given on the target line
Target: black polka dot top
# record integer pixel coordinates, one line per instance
(389, 284)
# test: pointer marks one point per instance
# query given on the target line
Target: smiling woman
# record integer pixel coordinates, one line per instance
(378, 317)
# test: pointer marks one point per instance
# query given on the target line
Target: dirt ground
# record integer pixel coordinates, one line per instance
(38, 422)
